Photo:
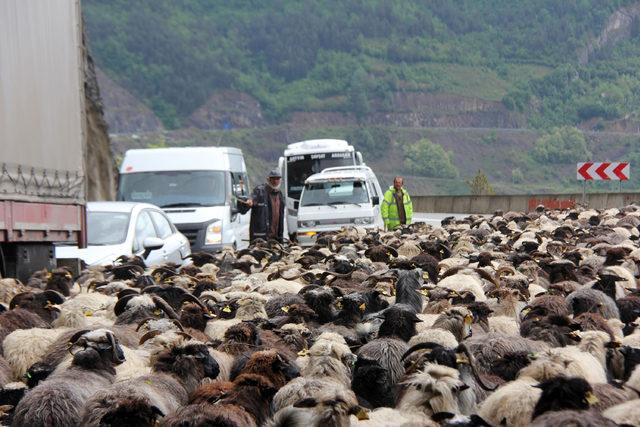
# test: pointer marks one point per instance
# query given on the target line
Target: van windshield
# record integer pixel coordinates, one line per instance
(174, 188)
(334, 193)
(299, 168)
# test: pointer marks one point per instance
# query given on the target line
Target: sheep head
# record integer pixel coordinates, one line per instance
(96, 349)
(189, 363)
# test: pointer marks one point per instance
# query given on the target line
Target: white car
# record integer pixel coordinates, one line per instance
(124, 228)
(338, 197)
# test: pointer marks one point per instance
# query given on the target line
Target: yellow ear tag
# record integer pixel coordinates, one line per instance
(157, 312)
(88, 313)
(468, 319)
(303, 353)
(424, 292)
(362, 307)
(425, 275)
(591, 398)
(339, 305)
(285, 308)
(49, 275)
(68, 276)
(362, 415)
(226, 309)
(393, 290)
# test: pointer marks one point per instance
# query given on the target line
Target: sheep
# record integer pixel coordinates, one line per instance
(564, 393)
(24, 347)
(465, 281)
(58, 401)
(492, 347)
(591, 300)
(572, 418)
(433, 389)
(627, 413)
(176, 373)
(512, 404)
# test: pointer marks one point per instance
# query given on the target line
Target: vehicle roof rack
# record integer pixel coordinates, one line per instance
(346, 168)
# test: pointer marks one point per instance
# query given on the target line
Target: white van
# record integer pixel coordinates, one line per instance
(196, 186)
(338, 197)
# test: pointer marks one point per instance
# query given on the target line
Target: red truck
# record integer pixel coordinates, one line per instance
(42, 133)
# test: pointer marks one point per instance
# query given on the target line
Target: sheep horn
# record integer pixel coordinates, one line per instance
(190, 297)
(474, 369)
(178, 324)
(13, 303)
(121, 305)
(75, 337)
(162, 305)
(115, 356)
(146, 337)
(143, 322)
(420, 346)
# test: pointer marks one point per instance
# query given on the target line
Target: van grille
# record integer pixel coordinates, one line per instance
(191, 234)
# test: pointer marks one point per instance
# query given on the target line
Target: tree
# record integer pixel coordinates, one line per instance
(480, 185)
(424, 158)
(561, 145)
(357, 95)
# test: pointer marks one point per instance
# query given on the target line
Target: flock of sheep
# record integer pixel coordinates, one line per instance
(514, 319)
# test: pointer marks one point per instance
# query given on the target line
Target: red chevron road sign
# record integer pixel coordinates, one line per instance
(603, 171)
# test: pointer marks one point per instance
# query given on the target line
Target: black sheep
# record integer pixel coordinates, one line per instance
(399, 321)
(564, 393)
(408, 287)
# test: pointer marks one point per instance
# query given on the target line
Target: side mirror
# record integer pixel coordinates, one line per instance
(151, 244)
(296, 205)
(375, 200)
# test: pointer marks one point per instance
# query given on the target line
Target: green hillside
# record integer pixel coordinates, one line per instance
(350, 56)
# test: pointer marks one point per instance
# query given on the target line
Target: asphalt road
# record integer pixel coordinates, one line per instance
(435, 218)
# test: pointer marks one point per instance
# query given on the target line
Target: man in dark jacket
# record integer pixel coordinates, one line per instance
(267, 209)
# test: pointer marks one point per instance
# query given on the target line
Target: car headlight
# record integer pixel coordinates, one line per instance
(214, 233)
(307, 223)
(363, 221)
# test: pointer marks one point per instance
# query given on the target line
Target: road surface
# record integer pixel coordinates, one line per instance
(435, 218)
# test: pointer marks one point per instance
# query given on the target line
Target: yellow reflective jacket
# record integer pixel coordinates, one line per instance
(389, 209)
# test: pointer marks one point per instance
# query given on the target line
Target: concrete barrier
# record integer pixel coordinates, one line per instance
(521, 202)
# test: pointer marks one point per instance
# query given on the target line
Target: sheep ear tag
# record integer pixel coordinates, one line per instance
(157, 312)
(88, 313)
(226, 309)
(303, 353)
(362, 307)
(591, 398)
(362, 415)
(285, 308)
(468, 319)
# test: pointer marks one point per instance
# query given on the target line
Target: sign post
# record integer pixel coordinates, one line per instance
(601, 171)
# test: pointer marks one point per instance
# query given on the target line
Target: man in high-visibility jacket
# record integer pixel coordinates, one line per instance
(396, 207)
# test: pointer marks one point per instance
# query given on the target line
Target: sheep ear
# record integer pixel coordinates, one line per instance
(54, 296)
(309, 402)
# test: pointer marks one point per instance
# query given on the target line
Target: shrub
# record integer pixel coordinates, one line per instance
(561, 145)
(425, 158)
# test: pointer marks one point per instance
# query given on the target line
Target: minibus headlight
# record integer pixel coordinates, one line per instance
(214, 233)
(307, 224)
(363, 221)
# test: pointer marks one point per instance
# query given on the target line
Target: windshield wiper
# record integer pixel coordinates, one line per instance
(319, 204)
(345, 203)
(182, 205)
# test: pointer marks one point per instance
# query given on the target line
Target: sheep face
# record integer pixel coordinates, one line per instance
(41, 303)
(96, 349)
(372, 384)
(191, 361)
(434, 389)
(399, 321)
(60, 280)
(278, 369)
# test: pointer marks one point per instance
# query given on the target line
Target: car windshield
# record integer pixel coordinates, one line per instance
(299, 168)
(334, 193)
(107, 228)
(174, 188)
